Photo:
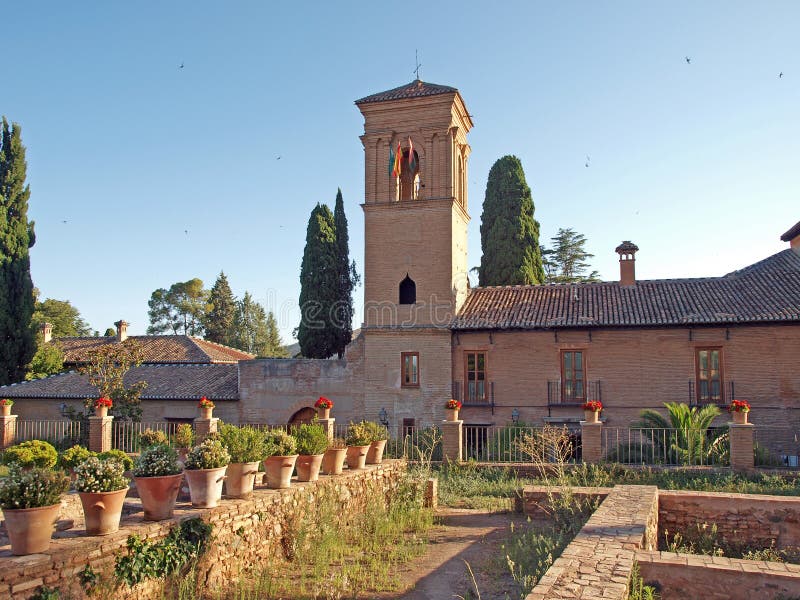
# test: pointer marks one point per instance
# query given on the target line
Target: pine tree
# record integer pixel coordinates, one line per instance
(319, 289)
(509, 233)
(566, 261)
(16, 239)
(219, 320)
(273, 346)
(347, 279)
(255, 330)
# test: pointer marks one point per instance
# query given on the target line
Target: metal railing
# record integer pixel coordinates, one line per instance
(776, 447)
(667, 447)
(558, 393)
(460, 392)
(125, 435)
(722, 397)
(61, 434)
(490, 443)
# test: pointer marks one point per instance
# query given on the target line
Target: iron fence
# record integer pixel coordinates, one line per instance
(126, 435)
(62, 434)
(519, 444)
(776, 447)
(667, 447)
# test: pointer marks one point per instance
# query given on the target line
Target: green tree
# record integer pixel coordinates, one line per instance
(273, 346)
(566, 262)
(107, 368)
(16, 239)
(509, 233)
(319, 289)
(180, 309)
(110, 332)
(347, 279)
(65, 318)
(255, 330)
(222, 308)
(48, 360)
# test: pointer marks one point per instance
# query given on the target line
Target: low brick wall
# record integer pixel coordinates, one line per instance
(717, 578)
(534, 500)
(598, 562)
(245, 532)
(748, 518)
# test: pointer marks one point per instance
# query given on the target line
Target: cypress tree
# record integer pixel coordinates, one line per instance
(16, 238)
(509, 233)
(343, 315)
(219, 320)
(319, 289)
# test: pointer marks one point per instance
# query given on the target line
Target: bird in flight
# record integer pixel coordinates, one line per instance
(688, 60)
(780, 75)
(277, 158)
(186, 231)
(588, 158)
(64, 221)
(181, 66)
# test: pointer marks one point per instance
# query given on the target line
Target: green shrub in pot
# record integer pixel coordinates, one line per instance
(244, 444)
(33, 453)
(210, 454)
(311, 439)
(157, 461)
(359, 434)
(72, 457)
(277, 442)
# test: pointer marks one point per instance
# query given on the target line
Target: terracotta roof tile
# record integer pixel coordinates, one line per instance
(415, 89)
(165, 381)
(157, 349)
(767, 291)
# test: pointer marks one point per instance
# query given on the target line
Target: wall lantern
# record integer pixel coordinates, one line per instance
(384, 417)
(515, 416)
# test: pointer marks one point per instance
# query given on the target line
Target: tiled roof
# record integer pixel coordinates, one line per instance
(767, 291)
(157, 349)
(792, 233)
(415, 89)
(215, 381)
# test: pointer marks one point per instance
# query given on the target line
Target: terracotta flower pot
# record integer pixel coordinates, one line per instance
(6, 410)
(258, 479)
(30, 529)
(324, 413)
(279, 471)
(357, 457)
(452, 414)
(205, 486)
(102, 510)
(375, 452)
(333, 461)
(100, 411)
(740, 417)
(205, 413)
(240, 479)
(158, 495)
(308, 466)
(591, 416)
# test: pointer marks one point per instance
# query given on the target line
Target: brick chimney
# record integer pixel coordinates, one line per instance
(47, 331)
(793, 237)
(627, 262)
(122, 330)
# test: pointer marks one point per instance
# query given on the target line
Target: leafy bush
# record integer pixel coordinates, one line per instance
(33, 453)
(184, 436)
(359, 434)
(72, 457)
(244, 444)
(127, 461)
(33, 488)
(376, 431)
(152, 437)
(311, 439)
(279, 443)
(211, 454)
(97, 475)
(157, 461)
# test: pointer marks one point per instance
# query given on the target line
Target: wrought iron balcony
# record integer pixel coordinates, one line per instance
(720, 395)
(474, 395)
(566, 395)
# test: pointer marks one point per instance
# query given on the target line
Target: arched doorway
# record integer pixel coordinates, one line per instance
(304, 415)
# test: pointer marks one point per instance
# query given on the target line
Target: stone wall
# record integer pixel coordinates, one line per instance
(754, 519)
(245, 533)
(534, 500)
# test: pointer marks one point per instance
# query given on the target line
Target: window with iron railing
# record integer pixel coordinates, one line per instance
(558, 393)
(709, 376)
(476, 391)
(728, 393)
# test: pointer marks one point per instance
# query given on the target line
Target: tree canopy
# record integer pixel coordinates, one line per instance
(62, 315)
(181, 309)
(565, 261)
(16, 239)
(347, 279)
(509, 233)
(221, 311)
(256, 331)
(107, 368)
(48, 360)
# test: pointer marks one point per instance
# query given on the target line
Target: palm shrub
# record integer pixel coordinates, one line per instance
(157, 461)
(279, 443)
(244, 444)
(32, 488)
(33, 453)
(72, 457)
(311, 439)
(210, 454)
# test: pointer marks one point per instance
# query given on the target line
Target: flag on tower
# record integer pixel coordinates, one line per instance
(412, 160)
(398, 157)
(391, 160)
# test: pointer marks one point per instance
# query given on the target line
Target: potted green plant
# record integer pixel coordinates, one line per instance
(205, 471)
(591, 411)
(157, 475)
(183, 440)
(102, 487)
(5, 406)
(379, 435)
(127, 461)
(32, 453)
(280, 451)
(152, 437)
(359, 439)
(72, 457)
(312, 441)
(31, 501)
(333, 459)
(246, 448)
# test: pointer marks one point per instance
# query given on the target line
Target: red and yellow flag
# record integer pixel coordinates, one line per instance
(398, 158)
(412, 160)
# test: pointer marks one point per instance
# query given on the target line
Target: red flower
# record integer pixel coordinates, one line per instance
(739, 406)
(205, 403)
(323, 402)
(453, 404)
(593, 405)
(6, 402)
(104, 401)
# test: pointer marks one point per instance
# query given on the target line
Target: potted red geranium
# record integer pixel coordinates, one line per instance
(591, 411)
(206, 407)
(101, 406)
(453, 406)
(323, 406)
(739, 410)
(5, 406)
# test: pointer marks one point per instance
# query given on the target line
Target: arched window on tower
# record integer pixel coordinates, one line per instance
(409, 172)
(408, 291)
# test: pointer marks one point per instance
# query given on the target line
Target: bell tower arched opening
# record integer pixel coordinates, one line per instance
(408, 291)
(408, 178)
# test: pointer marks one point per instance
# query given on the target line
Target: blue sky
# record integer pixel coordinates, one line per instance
(163, 174)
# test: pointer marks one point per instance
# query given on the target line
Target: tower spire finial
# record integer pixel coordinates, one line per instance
(416, 59)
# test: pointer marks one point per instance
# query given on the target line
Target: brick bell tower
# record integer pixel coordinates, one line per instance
(415, 264)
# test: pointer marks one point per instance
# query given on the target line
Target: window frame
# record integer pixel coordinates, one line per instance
(585, 379)
(479, 399)
(403, 370)
(721, 369)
